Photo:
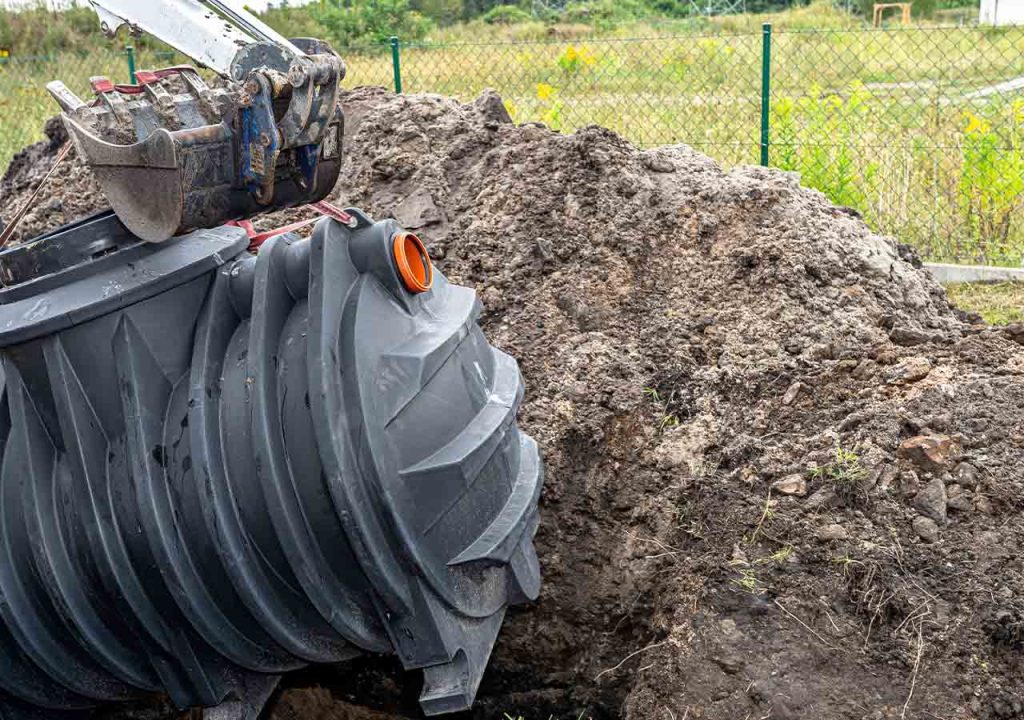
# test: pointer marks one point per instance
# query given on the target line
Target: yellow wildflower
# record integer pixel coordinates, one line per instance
(586, 56)
(1018, 110)
(545, 91)
(976, 124)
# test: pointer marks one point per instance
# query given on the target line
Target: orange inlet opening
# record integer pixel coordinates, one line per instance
(413, 263)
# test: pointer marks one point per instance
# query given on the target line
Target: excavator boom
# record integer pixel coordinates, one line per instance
(211, 32)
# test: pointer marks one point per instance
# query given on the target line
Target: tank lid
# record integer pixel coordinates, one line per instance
(87, 269)
(66, 247)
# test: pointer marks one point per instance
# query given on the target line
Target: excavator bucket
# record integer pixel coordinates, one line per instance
(171, 154)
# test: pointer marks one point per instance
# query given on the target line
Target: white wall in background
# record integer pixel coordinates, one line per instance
(1002, 12)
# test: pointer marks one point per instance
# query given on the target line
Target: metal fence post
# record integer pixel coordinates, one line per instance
(396, 63)
(130, 52)
(766, 85)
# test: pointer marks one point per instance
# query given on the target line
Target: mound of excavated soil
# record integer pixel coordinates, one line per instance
(784, 475)
(70, 194)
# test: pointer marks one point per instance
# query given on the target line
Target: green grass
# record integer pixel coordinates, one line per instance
(887, 122)
(846, 475)
(24, 103)
(881, 121)
(997, 303)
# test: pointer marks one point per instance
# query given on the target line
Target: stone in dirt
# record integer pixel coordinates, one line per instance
(910, 370)
(967, 475)
(931, 500)
(931, 453)
(1015, 331)
(791, 393)
(791, 485)
(719, 290)
(957, 498)
(926, 529)
(833, 531)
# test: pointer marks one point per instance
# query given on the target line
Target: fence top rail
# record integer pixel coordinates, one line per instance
(61, 56)
(429, 44)
(900, 29)
(697, 34)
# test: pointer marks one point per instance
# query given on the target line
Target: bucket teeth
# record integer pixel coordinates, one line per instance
(171, 154)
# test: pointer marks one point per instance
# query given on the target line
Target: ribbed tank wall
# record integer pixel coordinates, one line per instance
(286, 459)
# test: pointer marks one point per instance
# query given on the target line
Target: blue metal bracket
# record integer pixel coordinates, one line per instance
(260, 143)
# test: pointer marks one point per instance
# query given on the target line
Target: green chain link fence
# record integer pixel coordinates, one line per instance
(919, 129)
(24, 103)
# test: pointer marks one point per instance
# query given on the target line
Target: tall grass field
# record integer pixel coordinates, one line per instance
(921, 130)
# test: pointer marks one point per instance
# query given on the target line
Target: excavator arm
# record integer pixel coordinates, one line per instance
(173, 154)
(214, 33)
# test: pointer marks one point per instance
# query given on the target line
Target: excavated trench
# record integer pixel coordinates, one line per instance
(783, 472)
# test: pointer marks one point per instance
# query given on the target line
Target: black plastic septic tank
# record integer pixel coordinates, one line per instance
(219, 467)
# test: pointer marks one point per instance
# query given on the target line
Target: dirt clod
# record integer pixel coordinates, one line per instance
(910, 370)
(791, 485)
(931, 500)
(930, 453)
(926, 528)
(691, 337)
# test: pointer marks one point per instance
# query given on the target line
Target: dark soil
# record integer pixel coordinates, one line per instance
(70, 195)
(784, 474)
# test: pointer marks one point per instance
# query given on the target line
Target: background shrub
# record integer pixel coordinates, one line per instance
(506, 15)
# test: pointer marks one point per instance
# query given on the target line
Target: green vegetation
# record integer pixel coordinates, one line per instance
(997, 303)
(506, 15)
(42, 32)
(368, 21)
(666, 418)
(902, 124)
(846, 475)
(747, 580)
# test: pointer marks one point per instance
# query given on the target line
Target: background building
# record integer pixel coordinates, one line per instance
(1002, 12)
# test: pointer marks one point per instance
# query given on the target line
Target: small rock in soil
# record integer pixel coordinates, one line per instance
(983, 505)
(865, 369)
(657, 163)
(833, 531)
(930, 453)
(926, 528)
(791, 393)
(791, 485)
(908, 337)
(910, 483)
(822, 499)
(957, 498)
(910, 370)
(931, 500)
(967, 475)
(1015, 331)
(886, 475)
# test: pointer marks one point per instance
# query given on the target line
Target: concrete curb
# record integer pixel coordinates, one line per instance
(947, 273)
